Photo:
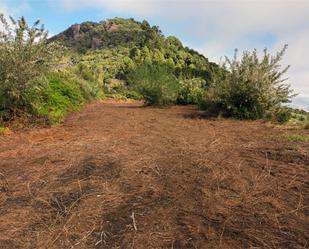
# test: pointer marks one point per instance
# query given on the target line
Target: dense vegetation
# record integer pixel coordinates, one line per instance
(25, 56)
(114, 52)
(253, 88)
(145, 80)
(32, 84)
(124, 58)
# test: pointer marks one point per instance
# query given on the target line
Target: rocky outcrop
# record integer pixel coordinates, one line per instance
(75, 31)
(110, 26)
(95, 43)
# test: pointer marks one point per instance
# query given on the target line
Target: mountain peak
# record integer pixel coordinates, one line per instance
(108, 33)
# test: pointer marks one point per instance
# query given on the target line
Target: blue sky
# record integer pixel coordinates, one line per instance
(213, 27)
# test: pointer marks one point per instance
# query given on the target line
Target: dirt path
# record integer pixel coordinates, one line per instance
(118, 175)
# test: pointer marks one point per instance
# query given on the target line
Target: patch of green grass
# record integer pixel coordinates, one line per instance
(298, 138)
(64, 93)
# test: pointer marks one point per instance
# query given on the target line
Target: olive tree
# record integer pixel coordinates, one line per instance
(25, 55)
(252, 88)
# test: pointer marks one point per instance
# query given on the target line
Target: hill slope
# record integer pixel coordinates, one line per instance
(110, 48)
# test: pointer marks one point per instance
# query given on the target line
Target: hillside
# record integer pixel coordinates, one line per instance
(126, 59)
(111, 48)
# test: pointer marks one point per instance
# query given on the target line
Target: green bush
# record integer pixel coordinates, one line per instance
(190, 91)
(24, 56)
(252, 88)
(60, 95)
(132, 94)
(63, 92)
(298, 117)
(156, 83)
(283, 115)
(212, 103)
(85, 72)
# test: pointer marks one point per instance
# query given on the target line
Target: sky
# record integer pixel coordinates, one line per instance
(212, 27)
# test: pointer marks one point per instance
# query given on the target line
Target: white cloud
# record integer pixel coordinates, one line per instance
(7, 9)
(50, 35)
(4, 11)
(135, 7)
(298, 57)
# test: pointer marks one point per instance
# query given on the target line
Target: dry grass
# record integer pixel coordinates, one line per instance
(121, 176)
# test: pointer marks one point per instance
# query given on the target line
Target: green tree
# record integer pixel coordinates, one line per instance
(25, 55)
(253, 88)
(191, 91)
(156, 83)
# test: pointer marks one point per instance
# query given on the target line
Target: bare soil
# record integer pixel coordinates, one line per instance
(119, 175)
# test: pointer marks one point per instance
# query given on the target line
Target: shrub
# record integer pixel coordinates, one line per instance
(253, 88)
(156, 83)
(62, 93)
(84, 72)
(190, 91)
(24, 56)
(132, 94)
(60, 96)
(299, 117)
(283, 115)
(212, 103)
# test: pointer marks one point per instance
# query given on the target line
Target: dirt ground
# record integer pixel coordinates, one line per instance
(119, 175)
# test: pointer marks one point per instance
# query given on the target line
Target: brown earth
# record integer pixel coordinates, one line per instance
(119, 175)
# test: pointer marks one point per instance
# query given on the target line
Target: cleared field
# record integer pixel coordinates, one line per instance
(119, 175)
